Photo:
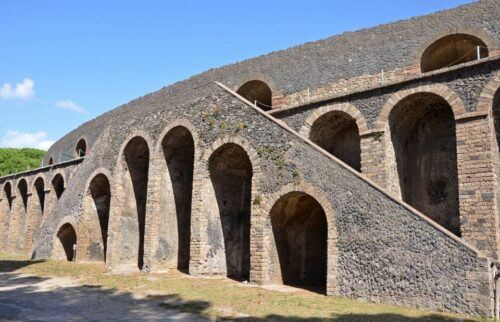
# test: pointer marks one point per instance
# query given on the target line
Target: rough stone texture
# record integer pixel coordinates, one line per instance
(252, 178)
(383, 251)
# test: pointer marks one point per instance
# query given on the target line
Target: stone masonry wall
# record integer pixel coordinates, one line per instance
(416, 264)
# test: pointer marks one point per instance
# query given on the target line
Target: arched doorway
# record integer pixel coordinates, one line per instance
(100, 191)
(258, 93)
(67, 239)
(81, 148)
(40, 193)
(136, 165)
(58, 185)
(337, 133)
(22, 189)
(178, 151)
(422, 128)
(300, 233)
(231, 176)
(452, 50)
(5, 211)
(496, 116)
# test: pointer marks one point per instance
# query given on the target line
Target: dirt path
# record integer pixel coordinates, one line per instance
(33, 298)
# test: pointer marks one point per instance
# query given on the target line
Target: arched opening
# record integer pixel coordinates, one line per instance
(8, 194)
(67, 238)
(496, 116)
(100, 191)
(40, 192)
(58, 185)
(178, 150)
(51, 161)
(22, 188)
(81, 148)
(337, 133)
(300, 234)
(452, 50)
(422, 128)
(231, 175)
(258, 93)
(136, 156)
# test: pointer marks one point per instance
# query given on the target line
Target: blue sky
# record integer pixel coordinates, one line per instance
(65, 62)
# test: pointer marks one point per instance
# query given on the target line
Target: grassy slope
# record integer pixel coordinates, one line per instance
(224, 299)
(18, 160)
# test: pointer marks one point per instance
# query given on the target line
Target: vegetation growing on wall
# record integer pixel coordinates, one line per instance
(18, 160)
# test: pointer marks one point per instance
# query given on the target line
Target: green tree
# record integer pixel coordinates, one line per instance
(18, 160)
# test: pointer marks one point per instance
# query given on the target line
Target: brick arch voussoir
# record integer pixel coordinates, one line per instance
(65, 220)
(332, 240)
(178, 123)
(259, 77)
(441, 90)
(246, 146)
(488, 39)
(347, 108)
(485, 102)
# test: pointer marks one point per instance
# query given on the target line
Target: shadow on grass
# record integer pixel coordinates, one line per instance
(22, 296)
(12, 265)
(354, 318)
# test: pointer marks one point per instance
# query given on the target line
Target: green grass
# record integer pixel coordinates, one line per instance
(224, 299)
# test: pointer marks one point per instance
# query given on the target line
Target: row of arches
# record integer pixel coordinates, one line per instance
(419, 126)
(448, 50)
(22, 210)
(127, 207)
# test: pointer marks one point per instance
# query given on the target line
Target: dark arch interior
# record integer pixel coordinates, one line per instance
(51, 161)
(137, 160)
(337, 133)
(423, 135)
(496, 116)
(81, 148)
(300, 233)
(452, 50)
(67, 237)
(58, 185)
(100, 191)
(231, 175)
(22, 187)
(178, 150)
(258, 93)
(8, 193)
(40, 191)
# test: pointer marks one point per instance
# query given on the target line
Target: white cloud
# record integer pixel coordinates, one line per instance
(24, 90)
(16, 139)
(70, 105)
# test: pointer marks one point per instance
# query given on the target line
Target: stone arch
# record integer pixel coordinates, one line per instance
(5, 211)
(65, 242)
(302, 242)
(35, 209)
(58, 184)
(422, 156)
(486, 97)
(452, 46)
(337, 128)
(226, 158)
(95, 223)
(128, 204)
(441, 90)
(257, 92)
(173, 194)
(18, 216)
(81, 148)
(22, 191)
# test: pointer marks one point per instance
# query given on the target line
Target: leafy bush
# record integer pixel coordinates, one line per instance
(18, 160)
